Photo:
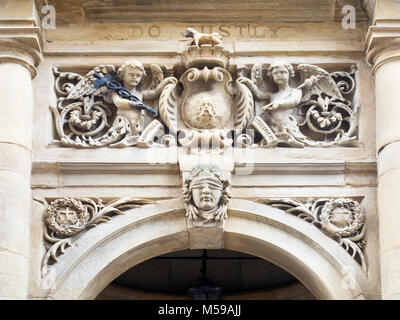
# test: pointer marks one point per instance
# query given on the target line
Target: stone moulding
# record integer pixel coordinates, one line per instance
(67, 217)
(341, 219)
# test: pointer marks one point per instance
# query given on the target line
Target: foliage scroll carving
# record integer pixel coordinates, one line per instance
(341, 219)
(65, 218)
(204, 103)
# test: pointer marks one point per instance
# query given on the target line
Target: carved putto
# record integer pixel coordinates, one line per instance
(315, 113)
(105, 107)
(205, 104)
(206, 195)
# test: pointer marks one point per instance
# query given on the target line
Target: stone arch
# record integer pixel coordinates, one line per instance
(101, 254)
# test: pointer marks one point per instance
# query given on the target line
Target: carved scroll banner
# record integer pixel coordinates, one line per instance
(147, 137)
(270, 139)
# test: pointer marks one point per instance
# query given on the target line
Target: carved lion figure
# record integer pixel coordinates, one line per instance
(203, 38)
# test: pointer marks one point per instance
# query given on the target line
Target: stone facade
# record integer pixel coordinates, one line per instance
(140, 130)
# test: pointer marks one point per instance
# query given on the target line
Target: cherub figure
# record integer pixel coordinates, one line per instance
(286, 98)
(130, 74)
(280, 109)
(120, 88)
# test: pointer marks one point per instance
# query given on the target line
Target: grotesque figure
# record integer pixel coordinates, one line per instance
(206, 195)
(207, 117)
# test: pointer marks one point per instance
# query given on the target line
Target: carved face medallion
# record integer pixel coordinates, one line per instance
(206, 193)
(66, 217)
(205, 111)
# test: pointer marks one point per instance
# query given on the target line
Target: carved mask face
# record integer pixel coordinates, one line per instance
(280, 75)
(132, 77)
(206, 193)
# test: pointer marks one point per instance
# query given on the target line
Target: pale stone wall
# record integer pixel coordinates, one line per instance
(338, 172)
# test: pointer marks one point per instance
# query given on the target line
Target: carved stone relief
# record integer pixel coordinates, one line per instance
(67, 217)
(341, 219)
(206, 103)
(318, 112)
(206, 194)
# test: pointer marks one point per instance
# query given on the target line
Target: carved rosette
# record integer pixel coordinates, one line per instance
(206, 193)
(67, 217)
(341, 219)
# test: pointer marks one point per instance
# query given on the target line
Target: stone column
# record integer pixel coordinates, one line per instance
(19, 54)
(383, 52)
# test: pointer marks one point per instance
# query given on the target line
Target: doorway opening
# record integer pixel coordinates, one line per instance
(206, 275)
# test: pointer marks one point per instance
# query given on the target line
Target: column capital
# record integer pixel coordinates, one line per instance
(20, 34)
(382, 43)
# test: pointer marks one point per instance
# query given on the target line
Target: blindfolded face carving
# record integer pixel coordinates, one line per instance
(206, 194)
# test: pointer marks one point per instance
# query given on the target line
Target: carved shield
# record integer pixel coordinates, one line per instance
(206, 103)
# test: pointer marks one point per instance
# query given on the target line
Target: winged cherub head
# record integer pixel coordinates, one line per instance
(280, 71)
(130, 73)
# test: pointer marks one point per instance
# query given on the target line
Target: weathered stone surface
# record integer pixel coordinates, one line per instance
(254, 33)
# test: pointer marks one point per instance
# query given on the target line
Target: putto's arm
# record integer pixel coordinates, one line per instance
(155, 93)
(288, 102)
(261, 95)
(121, 102)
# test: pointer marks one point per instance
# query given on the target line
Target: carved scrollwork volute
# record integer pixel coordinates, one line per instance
(67, 217)
(244, 106)
(168, 106)
(341, 219)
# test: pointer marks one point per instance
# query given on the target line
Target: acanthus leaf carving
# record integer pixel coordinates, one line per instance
(169, 106)
(244, 106)
(67, 217)
(341, 219)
